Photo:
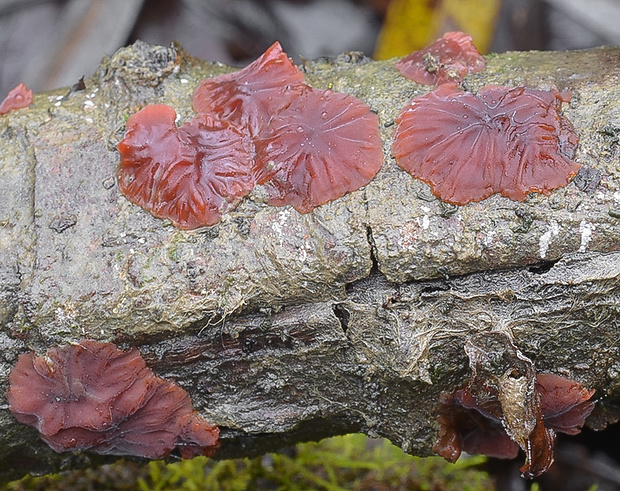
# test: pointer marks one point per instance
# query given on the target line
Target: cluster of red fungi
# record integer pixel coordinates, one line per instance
(264, 126)
(259, 126)
(467, 147)
(476, 424)
(93, 396)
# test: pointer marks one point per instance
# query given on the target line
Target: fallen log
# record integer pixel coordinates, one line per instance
(285, 326)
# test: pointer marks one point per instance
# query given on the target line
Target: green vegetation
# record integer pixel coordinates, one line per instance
(352, 462)
(339, 463)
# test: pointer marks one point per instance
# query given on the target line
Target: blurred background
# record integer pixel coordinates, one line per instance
(52, 43)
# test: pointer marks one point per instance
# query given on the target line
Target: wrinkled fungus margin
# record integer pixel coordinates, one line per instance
(93, 396)
(504, 140)
(250, 96)
(449, 59)
(191, 174)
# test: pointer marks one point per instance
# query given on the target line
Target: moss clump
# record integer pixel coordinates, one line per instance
(339, 463)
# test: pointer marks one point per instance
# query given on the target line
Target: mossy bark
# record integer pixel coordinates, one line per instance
(285, 326)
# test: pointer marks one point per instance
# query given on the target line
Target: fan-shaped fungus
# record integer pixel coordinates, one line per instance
(18, 98)
(449, 59)
(310, 146)
(92, 396)
(505, 140)
(323, 145)
(191, 174)
(250, 96)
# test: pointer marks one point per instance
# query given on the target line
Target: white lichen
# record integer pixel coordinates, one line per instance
(545, 239)
(585, 229)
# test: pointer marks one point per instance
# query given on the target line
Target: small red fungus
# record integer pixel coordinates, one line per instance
(323, 145)
(18, 98)
(93, 396)
(191, 174)
(477, 427)
(505, 140)
(449, 59)
(466, 426)
(249, 97)
(565, 403)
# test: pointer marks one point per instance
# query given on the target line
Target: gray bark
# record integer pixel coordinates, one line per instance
(285, 327)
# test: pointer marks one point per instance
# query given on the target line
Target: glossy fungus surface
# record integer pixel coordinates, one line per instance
(504, 140)
(476, 427)
(449, 59)
(93, 396)
(191, 174)
(261, 124)
(250, 96)
(323, 145)
(18, 98)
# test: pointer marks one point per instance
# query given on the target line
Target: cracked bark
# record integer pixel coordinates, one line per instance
(285, 327)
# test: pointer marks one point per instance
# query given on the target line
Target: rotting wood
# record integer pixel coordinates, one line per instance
(286, 327)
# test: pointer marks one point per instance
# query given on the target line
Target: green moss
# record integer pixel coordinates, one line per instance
(339, 463)
(347, 462)
(173, 252)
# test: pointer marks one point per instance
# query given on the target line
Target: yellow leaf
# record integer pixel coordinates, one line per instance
(411, 25)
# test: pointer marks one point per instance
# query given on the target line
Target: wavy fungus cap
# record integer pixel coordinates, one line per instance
(504, 140)
(249, 96)
(449, 59)
(191, 174)
(18, 98)
(93, 396)
(323, 145)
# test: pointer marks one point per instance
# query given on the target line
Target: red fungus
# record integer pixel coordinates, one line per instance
(310, 146)
(449, 59)
(466, 426)
(191, 174)
(18, 98)
(505, 140)
(250, 96)
(323, 145)
(565, 403)
(472, 426)
(165, 422)
(92, 396)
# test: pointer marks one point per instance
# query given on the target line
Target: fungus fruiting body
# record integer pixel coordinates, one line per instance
(449, 59)
(93, 396)
(249, 97)
(323, 145)
(504, 140)
(261, 125)
(466, 426)
(191, 174)
(478, 426)
(565, 403)
(18, 98)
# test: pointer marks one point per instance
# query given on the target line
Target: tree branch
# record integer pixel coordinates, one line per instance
(282, 326)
